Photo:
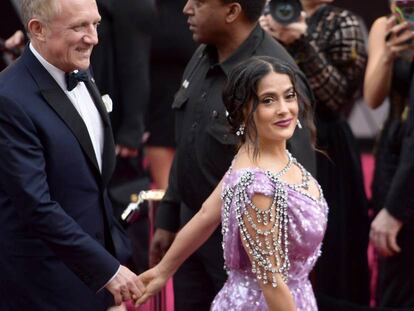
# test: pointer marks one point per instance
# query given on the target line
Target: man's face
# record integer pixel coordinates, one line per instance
(71, 35)
(206, 19)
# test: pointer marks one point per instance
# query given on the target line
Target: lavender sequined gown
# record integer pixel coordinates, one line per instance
(307, 223)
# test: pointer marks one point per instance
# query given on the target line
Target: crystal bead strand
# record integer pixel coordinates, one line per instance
(227, 197)
(274, 243)
(262, 255)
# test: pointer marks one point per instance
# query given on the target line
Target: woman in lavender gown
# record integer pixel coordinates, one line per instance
(272, 211)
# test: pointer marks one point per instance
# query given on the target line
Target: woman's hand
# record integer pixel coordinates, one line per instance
(398, 38)
(154, 280)
(387, 41)
(286, 34)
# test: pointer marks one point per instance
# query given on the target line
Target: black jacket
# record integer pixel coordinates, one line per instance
(205, 146)
(120, 64)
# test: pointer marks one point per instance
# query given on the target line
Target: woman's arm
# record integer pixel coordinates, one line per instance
(387, 40)
(278, 298)
(378, 74)
(187, 241)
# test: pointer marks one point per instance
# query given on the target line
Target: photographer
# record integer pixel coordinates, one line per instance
(327, 44)
(389, 74)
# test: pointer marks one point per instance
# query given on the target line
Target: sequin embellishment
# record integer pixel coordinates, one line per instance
(267, 239)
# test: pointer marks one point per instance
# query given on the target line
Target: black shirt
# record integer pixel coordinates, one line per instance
(205, 146)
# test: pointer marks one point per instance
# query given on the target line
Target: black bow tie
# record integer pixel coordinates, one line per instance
(73, 78)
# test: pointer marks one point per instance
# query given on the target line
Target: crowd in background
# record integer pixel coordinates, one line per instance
(158, 78)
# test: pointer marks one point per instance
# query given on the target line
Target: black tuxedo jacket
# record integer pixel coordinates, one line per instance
(58, 240)
(399, 200)
(120, 64)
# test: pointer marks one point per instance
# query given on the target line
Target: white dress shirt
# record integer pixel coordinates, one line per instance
(83, 103)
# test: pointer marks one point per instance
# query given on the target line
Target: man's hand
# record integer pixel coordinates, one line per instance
(384, 231)
(160, 243)
(286, 34)
(126, 152)
(125, 286)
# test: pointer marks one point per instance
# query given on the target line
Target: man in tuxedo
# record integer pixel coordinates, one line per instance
(58, 241)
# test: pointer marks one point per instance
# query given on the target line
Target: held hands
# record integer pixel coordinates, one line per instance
(154, 280)
(383, 234)
(160, 243)
(286, 34)
(125, 286)
(398, 38)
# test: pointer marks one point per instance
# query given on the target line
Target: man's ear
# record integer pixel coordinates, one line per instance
(234, 11)
(37, 29)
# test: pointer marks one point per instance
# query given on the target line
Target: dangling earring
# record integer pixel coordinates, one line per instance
(299, 124)
(240, 131)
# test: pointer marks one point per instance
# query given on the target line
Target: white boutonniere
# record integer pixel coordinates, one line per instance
(107, 102)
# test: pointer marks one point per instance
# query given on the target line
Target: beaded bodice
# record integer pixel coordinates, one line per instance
(284, 238)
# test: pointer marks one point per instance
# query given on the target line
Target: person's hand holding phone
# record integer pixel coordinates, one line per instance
(399, 38)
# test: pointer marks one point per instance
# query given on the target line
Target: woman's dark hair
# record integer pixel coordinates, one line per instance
(241, 100)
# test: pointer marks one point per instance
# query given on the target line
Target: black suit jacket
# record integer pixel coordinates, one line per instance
(58, 240)
(400, 201)
(120, 64)
(205, 147)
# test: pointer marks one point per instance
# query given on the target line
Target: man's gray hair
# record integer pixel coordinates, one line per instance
(43, 10)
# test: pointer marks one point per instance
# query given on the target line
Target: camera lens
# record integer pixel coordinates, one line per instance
(285, 11)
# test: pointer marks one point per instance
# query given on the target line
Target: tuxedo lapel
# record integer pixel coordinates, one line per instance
(97, 99)
(65, 109)
(108, 155)
(61, 104)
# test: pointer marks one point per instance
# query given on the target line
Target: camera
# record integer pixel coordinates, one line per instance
(284, 11)
(136, 207)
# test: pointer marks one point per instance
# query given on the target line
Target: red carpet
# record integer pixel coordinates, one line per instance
(368, 166)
